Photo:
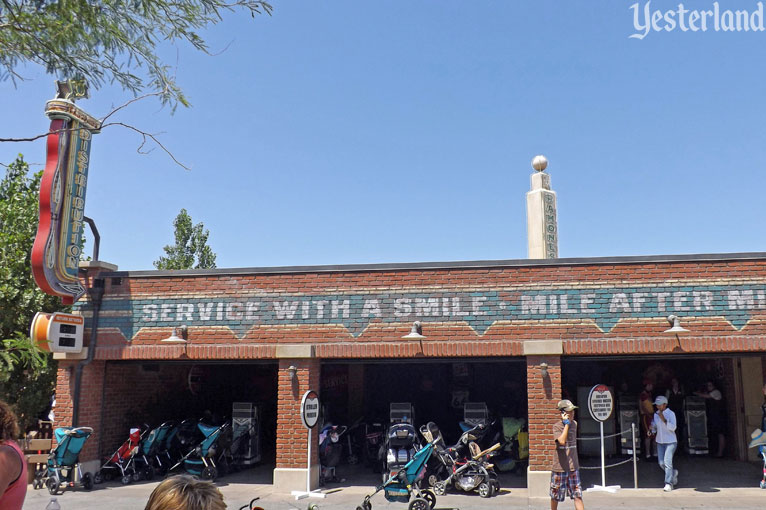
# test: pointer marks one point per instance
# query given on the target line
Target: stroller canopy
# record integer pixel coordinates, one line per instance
(70, 442)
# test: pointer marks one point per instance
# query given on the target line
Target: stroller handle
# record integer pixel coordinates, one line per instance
(79, 430)
(491, 449)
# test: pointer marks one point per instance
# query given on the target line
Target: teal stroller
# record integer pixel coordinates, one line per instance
(201, 460)
(63, 469)
(404, 485)
(759, 439)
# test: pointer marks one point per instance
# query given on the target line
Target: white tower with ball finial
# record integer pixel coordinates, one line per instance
(542, 225)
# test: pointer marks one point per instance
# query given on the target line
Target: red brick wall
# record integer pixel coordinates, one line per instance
(636, 335)
(544, 392)
(292, 436)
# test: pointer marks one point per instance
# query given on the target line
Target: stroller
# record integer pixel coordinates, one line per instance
(759, 439)
(464, 465)
(515, 449)
(122, 463)
(330, 452)
(153, 449)
(401, 442)
(201, 460)
(404, 484)
(63, 469)
(373, 439)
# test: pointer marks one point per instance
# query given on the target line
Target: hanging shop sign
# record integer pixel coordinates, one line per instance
(57, 247)
(310, 409)
(600, 403)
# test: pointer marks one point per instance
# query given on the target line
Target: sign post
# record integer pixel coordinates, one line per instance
(600, 406)
(310, 418)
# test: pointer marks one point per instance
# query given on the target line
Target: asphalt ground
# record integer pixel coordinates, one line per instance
(703, 483)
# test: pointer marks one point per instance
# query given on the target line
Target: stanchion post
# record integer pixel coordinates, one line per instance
(635, 464)
(308, 467)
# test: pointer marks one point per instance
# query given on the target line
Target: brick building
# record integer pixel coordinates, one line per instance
(269, 334)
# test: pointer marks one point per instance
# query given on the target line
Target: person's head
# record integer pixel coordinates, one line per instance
(9, 426)
(710, 385)
(566, 407)
(661, 403)
(184, 492)
(674, 384)
(648, 384)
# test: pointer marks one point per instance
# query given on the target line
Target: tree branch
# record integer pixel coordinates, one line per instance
(145, 136)
(103, 124)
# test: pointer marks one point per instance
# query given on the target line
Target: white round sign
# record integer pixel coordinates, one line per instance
(310, 409)
(600, 402)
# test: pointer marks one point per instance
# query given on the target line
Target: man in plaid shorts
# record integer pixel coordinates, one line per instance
(565, 474)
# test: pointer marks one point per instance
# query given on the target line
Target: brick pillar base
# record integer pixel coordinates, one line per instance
(292, 435)
(544, 394)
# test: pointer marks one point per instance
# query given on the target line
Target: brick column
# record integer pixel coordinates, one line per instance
(544, 392)
(292, 436)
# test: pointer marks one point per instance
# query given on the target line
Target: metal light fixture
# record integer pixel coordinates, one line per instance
(416, 333)
(293, 373)
(178, 336)
(676, 328)
(544, 369)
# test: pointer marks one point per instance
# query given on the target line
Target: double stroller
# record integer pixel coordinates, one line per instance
(404, 484)
(63, 468)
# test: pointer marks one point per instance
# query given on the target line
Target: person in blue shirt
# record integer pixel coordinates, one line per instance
(664, 428)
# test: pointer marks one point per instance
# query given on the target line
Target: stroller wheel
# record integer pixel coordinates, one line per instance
(98, 477)
(485, 490)
(353, 459)
(208, 473)
(419, 504)
(87, 481)
(495, 486)
(430, 497)
(53, 486)
(137, 476)
(108, 476)
(125, 480)
(149, 473)
(440, 489)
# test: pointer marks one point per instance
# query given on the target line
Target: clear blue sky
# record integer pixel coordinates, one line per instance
(340, 132)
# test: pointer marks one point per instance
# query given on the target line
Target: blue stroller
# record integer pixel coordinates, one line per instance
(200, 460)
(759, 439)
(404, 485)
(63, 469)
(153, 449)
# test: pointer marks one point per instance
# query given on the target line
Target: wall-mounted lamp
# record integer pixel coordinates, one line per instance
(293, 373)
(416, 333)
(544, 369)
(676, 328)
(178, 336)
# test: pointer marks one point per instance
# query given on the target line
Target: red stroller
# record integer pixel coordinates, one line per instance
(122, 463)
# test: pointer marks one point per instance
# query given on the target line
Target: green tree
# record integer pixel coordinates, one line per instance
(109, 41)
(27, 375)
(191, 245)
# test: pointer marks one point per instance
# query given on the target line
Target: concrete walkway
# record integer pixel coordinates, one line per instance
(713, 484)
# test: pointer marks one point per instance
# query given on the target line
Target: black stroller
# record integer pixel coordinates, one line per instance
(401, 442)
(464, 466)
(330, 452)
